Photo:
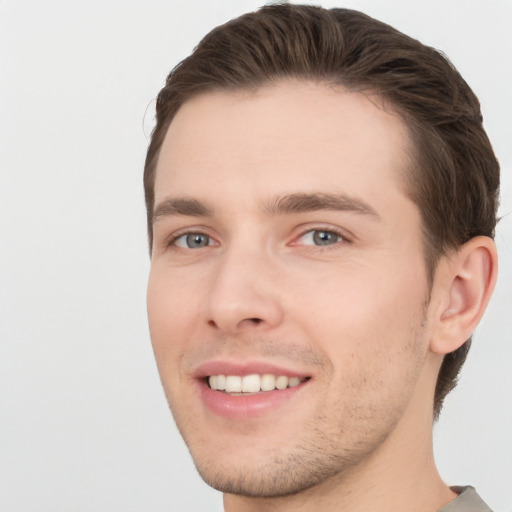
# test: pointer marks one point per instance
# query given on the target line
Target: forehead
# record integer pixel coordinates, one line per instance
(291, 136)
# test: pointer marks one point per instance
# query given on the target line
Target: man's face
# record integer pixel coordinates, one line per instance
(287, 253)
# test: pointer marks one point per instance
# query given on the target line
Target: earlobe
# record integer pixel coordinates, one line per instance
(465, 286)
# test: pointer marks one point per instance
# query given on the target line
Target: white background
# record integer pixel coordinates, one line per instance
(83, 423)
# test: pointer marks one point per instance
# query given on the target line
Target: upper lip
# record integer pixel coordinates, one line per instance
(245, 368)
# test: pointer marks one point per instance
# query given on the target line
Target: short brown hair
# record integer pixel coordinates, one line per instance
(455, 176)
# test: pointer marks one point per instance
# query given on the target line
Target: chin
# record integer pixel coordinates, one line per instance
(278, 471)
(278, 479)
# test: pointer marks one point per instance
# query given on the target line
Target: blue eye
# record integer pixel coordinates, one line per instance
(321, 237)
(192, 241)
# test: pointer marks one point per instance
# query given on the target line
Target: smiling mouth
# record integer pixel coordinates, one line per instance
(254, 383)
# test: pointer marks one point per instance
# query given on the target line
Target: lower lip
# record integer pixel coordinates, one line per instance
(250, 406)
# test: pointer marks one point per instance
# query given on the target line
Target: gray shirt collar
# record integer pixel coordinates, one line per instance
(467, 501)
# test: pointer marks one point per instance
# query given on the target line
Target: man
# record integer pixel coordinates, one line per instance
(321, 203)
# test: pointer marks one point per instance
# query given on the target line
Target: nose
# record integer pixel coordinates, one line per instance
(244, 293)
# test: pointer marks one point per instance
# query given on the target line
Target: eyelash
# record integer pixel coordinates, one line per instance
(343, 239)
(171, 241)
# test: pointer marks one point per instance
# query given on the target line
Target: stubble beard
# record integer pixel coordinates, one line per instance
(326, 455)
(288, 475)
(328, 452)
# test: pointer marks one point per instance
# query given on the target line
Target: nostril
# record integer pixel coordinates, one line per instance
(233, 325)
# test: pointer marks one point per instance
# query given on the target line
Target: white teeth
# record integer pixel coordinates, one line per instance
(293, 381)
(268, 382)
(221, 382)
(252, 383)
(233, 384)
(282, 382)
(217, 382)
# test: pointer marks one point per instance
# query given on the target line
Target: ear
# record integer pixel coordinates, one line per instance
(462, 289)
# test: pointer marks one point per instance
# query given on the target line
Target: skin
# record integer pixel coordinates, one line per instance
(357, 316)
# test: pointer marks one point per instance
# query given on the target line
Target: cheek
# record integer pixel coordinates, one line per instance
(171, 314)
(368, 322)
(377, 350)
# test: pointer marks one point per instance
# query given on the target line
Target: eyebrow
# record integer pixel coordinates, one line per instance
(279, 205)
(181, 206)
(301, 202)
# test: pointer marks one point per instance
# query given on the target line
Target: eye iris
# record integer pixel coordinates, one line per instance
(325, 237)
(196, 240)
